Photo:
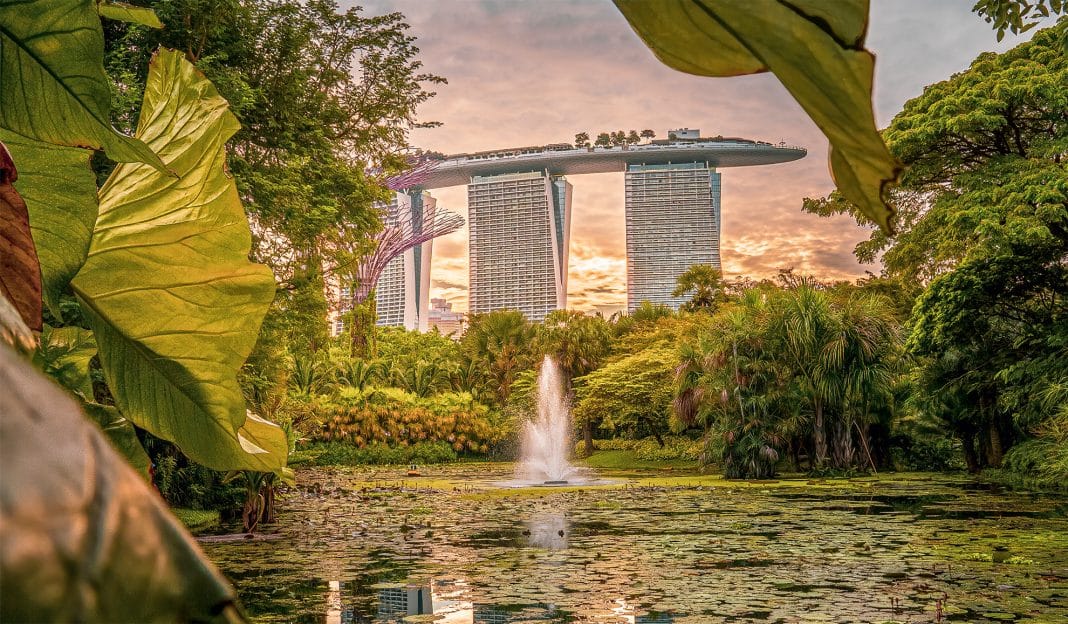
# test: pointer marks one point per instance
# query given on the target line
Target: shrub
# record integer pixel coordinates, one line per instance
(927, 454)
(344, 454)
(647, 449)
(395, 418)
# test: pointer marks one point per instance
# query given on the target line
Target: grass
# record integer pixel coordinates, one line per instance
(197, 519)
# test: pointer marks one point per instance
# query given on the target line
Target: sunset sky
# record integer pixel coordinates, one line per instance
(531, 73)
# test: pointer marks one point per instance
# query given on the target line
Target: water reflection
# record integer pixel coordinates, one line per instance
(549, 531)
(399, 602)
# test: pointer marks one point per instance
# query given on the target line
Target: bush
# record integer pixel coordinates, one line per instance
(394, 418)
(1040, 463)
(926, 454)
(343, 454)
(648, 449)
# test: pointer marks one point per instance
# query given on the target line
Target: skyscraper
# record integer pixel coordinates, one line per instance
(673, 222)
(520, 226)
(402, 296)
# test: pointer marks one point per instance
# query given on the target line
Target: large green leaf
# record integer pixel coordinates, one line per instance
(60, 193)
(52, 82)
(814, 47)
(82, 537)
(168, 288)
(64, 354)
(128, 13)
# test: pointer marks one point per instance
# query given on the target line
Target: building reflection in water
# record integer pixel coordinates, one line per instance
(549, 531)
(489, 614)
(452, 605)
(399, 602)
(654, 618)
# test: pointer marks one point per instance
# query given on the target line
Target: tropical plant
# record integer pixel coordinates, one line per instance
(704, 285)
(983, 225)
(357, 373)
(497, 342)
(578, 344)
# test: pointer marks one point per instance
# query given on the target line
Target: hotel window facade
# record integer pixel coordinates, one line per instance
(673, 222)
(519, 234)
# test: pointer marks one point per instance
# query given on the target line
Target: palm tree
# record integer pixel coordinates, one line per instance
(358, 374)
(497, 343)
(803, 327)
(421, 378)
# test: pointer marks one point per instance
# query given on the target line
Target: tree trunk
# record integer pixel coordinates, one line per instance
(996, 451)
(843, 444)
(587, 437)
(819, 435)
(971, 458)
(659, 440)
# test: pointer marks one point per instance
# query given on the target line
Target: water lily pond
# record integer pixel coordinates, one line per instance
(452, 546)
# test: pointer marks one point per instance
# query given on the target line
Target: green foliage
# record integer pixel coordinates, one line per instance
(1017, 16)
(983, 220)
(651, 449)
(341, 454)
(816, 51)
(64, 354)
(52, 83)
(323, 95)
(630, 396)
(60, 193)
(497, 343)
(789, 368)
(704, 286)
(577, 342)
(927, 454)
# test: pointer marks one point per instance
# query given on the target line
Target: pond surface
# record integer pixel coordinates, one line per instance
(368, 545)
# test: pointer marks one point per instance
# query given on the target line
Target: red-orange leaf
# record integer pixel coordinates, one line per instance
(20, 271)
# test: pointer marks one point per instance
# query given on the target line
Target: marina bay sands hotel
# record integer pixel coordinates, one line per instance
(519, 215)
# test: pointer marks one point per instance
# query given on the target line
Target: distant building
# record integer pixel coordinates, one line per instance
(520, 226)
(673, 222)
(444, 319)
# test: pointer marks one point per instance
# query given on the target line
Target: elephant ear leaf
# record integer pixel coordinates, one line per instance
(20, 271)
(128, 13)
(814, 47)
(52, 82)
(168, 289)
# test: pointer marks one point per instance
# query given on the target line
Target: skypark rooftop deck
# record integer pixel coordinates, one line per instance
(565, 159)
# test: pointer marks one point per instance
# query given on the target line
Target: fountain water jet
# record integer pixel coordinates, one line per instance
(546, 441)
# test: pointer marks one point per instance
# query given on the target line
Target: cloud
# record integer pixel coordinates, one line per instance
(447, 285)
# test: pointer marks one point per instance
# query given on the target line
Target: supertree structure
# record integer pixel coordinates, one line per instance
(402, 229)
